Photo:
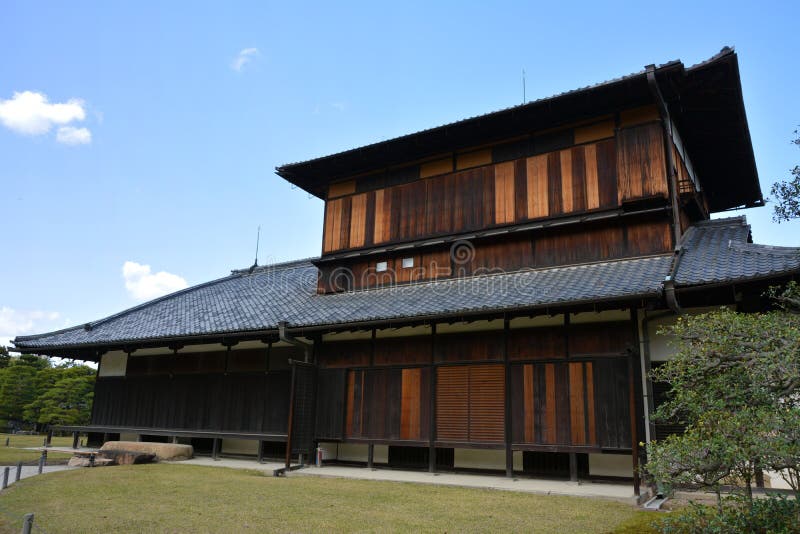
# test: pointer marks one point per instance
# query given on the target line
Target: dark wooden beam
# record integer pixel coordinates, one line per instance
(508, 407)
(432, 405)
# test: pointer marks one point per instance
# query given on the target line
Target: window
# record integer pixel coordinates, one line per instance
(381, 266)
(408, 263)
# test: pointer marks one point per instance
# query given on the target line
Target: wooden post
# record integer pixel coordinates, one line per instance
(573, 467)
(49, 437)
(508, 429)
(432, 405)
(291, 416)
(370, 455)
(19, 472)
(42, 459)
(261, 451)
(75, 436)
(215, 448)
(5, 477)
(633, 404)
(27, 524)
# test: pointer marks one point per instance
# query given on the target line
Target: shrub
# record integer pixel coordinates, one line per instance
(772, 514)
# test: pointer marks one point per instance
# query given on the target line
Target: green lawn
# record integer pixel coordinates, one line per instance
(17, 443)
(182, 498)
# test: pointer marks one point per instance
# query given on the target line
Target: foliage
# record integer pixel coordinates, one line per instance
(787, 194)
(774, 514)
(34, 393)
(735, 384)
(5, 357)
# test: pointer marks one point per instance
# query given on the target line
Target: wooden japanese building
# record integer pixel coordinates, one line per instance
(487, 295)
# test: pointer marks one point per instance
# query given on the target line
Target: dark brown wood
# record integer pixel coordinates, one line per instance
(509, 437)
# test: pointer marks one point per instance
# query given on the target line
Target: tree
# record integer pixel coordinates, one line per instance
(16, 390)
(735, 384)
(68, 401)
(5, 357)
(787, 193)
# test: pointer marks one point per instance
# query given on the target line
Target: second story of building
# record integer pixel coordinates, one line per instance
(615, 170)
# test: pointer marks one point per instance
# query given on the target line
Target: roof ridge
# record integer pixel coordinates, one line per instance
(288, 264)
(723, 221)
(758, 248)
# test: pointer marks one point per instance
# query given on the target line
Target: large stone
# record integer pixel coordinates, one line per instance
(85, 461)
(128, 457)
(162, 451)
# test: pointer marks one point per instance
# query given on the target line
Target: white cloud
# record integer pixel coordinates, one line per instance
(15, 323)
(244, 57)
(70, 135)
(142, 284)
(30, 113)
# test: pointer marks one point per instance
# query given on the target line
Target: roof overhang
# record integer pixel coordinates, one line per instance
(705, 101)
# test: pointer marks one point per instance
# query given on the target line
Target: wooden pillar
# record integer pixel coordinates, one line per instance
(370, 455)
(573, 467)
(634, 424)
(508, 429)
(432, 405)
(215, 448)
(49, 437)
(75, 436)
(260, 451)
(291, 416)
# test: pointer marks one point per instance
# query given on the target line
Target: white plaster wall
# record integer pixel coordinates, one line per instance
(611, 465)
(660, 349)
(113, 363)
(329, 451)
(484, 459)
(240, 446)
(128, 437)
(469, 326)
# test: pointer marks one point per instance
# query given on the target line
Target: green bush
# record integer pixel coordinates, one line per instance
(770, 515)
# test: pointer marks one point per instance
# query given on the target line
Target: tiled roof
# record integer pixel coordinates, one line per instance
(247, 301)
(712, 252)
(720, 251)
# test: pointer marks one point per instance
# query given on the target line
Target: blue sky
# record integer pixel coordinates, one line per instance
(174, 117)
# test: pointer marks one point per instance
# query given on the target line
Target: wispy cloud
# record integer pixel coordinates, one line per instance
(143, 284)
(31, 113)
(15, 323)
(244, 57)
(70, 135)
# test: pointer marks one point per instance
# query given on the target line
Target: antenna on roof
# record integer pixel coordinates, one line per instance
(524, 99)
(258, 238)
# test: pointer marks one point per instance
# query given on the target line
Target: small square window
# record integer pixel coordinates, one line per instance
(381, 266)
(408, 263)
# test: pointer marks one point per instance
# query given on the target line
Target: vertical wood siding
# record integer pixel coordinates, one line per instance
(596, 175)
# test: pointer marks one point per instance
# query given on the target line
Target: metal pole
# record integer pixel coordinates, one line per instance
(27, 524)
(5, 477)
(19, 471)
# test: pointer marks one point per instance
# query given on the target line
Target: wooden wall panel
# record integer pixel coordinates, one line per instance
(504, 205)
(537, 343)
(549, 427)
(331, 389)
(241, 402)
(567, 183)
(345, 353)
(649, 237)
(576, 404)
(591, 177)
(402, 351)
(487, 403)
(452, 403)
(570, 180)
(358, 220)
(537, 186)
(600, 338)
(410, 404)
(469, 347)
(612, 406)
(640, 162)
(555, 199)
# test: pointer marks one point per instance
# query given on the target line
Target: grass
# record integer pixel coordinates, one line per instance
(17, 443)
(183, 498)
